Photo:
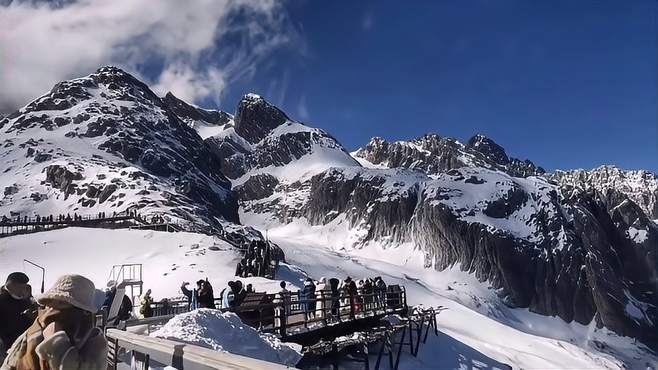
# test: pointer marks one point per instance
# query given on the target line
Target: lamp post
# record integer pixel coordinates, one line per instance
(43, 273)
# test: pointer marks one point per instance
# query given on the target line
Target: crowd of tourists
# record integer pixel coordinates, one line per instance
(257, 260)
(72, 218)
(326, 299)
(203, 296)
(57, 329)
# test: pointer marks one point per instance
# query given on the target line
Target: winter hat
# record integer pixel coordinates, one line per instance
(76, 290)
(18, 277)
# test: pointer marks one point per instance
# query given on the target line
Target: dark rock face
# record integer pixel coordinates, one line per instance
(61, 178)
(255, 118)
(190, 113)
(434, 154)
(257, 187)
(577, 259)
(240, 155)
(10, 190)
(104, 194)
(488, 147)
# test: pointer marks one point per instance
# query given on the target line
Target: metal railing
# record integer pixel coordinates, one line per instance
(24, 225)
(288, 314)
(131, 272)
(130, 219)
(141, 352)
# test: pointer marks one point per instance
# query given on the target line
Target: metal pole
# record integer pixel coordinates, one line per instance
(43, 274)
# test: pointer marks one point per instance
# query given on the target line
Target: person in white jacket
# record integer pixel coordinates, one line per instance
(323, 294)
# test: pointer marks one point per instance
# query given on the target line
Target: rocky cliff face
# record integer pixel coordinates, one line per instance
(639, 186)
(547, 243)
(106, 142)
(264, 140)
(195, 116)
(435, 154)
(577, 255)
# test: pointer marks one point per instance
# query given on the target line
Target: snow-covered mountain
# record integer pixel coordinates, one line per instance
(639, 186)
(573, 252)
(106, 142)
(579, 245)
(435, 154)
(206, 122)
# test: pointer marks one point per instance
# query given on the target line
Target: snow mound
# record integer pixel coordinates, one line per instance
(226, 332)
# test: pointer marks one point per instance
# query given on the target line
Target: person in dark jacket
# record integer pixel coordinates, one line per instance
(308, 298)
(380, 288)
(239, 293)
(191, 294)
(126, 309)
(335, 296)
(205, 295)
(109, 297)
(17, 309)
(367, 291)
(350, 290)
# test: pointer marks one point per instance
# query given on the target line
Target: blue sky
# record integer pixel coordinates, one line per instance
(567, 84)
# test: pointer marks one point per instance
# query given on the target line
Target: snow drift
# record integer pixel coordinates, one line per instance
(226, 332)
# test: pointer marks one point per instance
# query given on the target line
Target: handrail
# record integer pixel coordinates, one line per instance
(182, 355)
(289, 316)
(129, 269)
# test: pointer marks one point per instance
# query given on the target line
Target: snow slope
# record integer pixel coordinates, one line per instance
(168, 258)
(472, 326)
(475, 317)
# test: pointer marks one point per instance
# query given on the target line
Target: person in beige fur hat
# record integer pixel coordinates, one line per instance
(63, 336)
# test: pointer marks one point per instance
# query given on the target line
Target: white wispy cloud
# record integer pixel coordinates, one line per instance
(302, 108)
(200, 46)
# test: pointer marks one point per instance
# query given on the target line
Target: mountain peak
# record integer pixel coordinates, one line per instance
(255, 117)
(109, 69)
(488, 147)
(192, 114)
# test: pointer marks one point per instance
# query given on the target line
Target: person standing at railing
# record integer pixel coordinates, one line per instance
(205, 295)
(323, 295)
(63, 335)
(227, 296)
(201, 297)
(145, 303)
(308, 298)
(380, 288)
(367, 294)
(239, 292)
(335, 297)
(281, 308)
(350, 291)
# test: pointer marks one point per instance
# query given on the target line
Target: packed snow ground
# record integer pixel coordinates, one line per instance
(168, 258)
(477, 331)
